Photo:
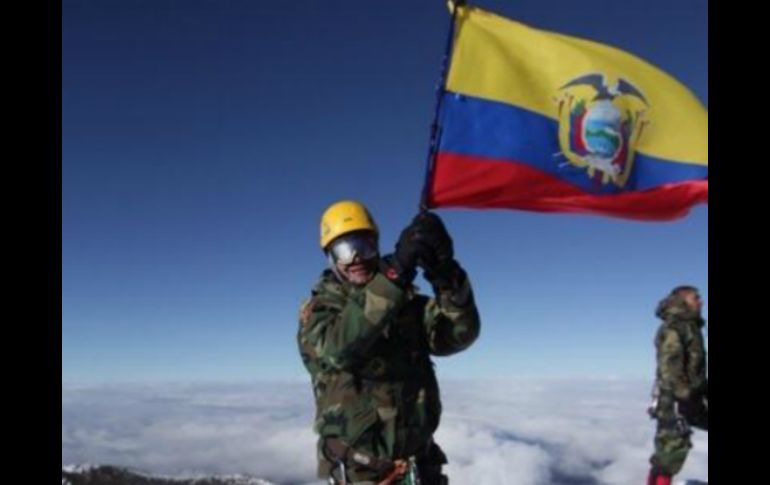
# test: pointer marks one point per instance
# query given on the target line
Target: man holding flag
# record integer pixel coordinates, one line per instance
(366, 338)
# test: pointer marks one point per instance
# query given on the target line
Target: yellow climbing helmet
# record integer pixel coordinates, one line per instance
(344, 217)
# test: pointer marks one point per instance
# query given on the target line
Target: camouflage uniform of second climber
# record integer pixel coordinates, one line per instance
(681, 382)
(367, 349)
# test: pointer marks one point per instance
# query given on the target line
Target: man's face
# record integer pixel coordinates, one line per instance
(355, 256)
(693, 301)
(359, 272)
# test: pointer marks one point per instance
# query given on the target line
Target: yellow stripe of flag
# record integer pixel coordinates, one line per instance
(501, 60)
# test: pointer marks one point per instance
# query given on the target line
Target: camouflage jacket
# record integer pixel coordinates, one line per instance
(368, 350)
(681, 355)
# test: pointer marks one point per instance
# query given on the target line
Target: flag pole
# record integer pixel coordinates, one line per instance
(440, 90)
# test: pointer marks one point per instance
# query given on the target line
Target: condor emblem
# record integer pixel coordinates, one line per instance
(600, 125)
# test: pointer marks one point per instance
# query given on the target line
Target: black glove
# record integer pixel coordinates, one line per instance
(440, 268)
(695, 411)
(425, 242)
(401, 266)
(699, 412)
(429, 231)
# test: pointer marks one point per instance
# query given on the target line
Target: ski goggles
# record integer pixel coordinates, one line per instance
(346, 248)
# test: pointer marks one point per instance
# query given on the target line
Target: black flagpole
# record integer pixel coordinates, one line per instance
(435, 129)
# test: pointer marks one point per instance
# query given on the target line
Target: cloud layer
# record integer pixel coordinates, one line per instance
(513, 431)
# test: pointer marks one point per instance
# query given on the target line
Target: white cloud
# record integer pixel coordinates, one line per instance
(262, 430)
(516, 431)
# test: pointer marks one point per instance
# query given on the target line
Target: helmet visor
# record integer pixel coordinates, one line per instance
(346, 248)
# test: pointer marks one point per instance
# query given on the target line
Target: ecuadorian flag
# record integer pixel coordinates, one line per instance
(540, 121)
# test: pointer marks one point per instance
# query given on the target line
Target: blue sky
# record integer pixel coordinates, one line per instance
(201, 140)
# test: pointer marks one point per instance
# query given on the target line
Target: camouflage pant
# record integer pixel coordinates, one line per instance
(672, 443)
